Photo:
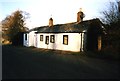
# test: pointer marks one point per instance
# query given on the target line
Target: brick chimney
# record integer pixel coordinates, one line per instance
(80, 16)
(50, 22)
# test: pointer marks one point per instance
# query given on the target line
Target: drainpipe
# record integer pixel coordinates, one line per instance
(81, 43)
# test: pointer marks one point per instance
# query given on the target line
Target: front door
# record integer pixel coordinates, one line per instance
(47, 40)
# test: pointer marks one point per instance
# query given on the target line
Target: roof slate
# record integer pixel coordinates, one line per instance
(67, 28)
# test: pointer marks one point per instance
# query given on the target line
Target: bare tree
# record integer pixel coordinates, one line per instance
(111, 18)
(111, 14)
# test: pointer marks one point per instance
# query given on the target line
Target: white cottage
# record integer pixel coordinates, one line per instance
(76, 36)
(29, 38)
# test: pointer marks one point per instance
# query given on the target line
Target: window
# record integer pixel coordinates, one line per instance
(41, 37)
(65, 39)
(47, 40)
(25, 36)
(52, 38)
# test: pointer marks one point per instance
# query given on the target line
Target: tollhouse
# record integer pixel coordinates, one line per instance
(76, 36)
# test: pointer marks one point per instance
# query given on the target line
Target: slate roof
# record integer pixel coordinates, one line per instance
(69, 27)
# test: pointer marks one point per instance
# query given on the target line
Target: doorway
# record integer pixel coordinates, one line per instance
(47, 40)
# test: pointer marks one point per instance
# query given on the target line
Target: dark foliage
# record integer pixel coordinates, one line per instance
(18, 39)
(111, 41)
(14, 24)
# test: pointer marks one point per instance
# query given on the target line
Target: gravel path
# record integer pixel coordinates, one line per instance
(33, 63)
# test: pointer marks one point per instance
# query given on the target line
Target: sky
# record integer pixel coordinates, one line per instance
(62, 11)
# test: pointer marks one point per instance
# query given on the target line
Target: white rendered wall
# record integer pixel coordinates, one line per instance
(31, 36)
(35, 40)
(74, 41)
(30, 39)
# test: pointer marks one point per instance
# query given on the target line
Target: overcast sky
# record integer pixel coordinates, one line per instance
(62, 11)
